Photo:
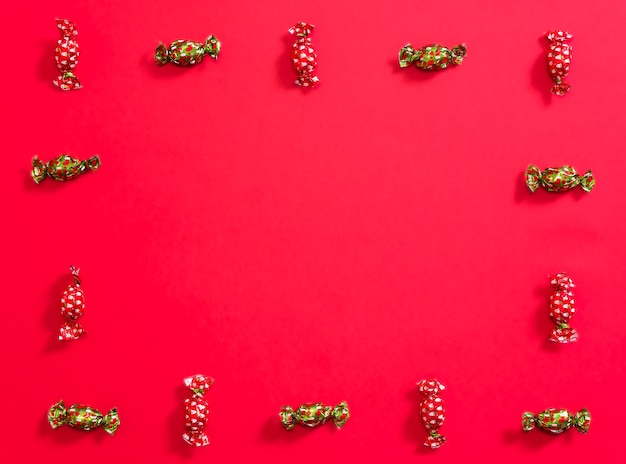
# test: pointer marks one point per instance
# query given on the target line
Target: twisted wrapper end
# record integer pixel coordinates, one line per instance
(560, 89)
(212, 47)
(161, 55)
(458, 53)
(582, 421)
(587, 181)
(532, 176)
(564, 334)
(56, 414)
(406, 56)
(528, 421)
(341, 414)
(38, 173)
(196, 438)
(287, 419)
(111, 421)
(434, 440)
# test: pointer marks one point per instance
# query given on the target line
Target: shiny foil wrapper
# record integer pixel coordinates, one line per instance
(558, 179)
(559, 59)
(187, 53)
(432, 411)
(303, 55)
(433, 57)
(81, 417)
(72, 308)
(562, 308)
(62, 168)
(314, 415)
(557, 421)
(197, 410)
(66, 55)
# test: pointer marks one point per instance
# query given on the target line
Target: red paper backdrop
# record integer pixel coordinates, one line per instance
(325, 245)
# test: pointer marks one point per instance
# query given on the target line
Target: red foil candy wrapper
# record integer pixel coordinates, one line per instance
(197, 410)
(562, 308)
(559, 58)
(72, 308)
(432, 411)
(303, 56)
(66, 55)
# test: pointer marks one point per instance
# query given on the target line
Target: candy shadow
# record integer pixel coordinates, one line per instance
(53, 319)
(273, 431)
(543, 323)
(46, 66)
(168, 71)
(539, 76)
(532, 439)
(284, 71)
(413, 427)
(412, 74)
(66, 435)
(176, 426)
(542, 196)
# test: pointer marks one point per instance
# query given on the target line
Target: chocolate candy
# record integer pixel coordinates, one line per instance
(559, 179)
(314, 414)
(66, 55)
(562, 308)
(64, 167)
(197, 410)
(303, 56)
(432, 411)
(557, 420)
(72, 308)
(186, 53)
(559, 57)
(82, 417)
(432, 57)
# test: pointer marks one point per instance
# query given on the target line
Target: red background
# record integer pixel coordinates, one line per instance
(325, 245)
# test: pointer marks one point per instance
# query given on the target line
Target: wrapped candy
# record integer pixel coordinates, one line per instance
(72, 307)
(557, 420)
(314, 414)
(559, 58)
(432, 57)
(562, 308)
(197, 410)
(66, 55)
(64, 167)
(559, 179)
(186, 53)
(79, 416)
(303, 56)
(432, 411)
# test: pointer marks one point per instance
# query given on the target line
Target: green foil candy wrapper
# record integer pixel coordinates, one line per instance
(314, 414)
(187, 53)
(560, 179)
(79, 416)
(557, 420)
(62, 168)
(431, 57)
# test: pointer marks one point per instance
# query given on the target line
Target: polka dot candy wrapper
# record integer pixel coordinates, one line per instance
(432, 411)
(197, 410)
(303, 55)
(557, 421)
(66, 55)
(314, 415)
(72, 308)
(432, 57)
(186, 53)
(558, 179)
(559, 59)
(562, 308)
(81, 417)
(62, 168)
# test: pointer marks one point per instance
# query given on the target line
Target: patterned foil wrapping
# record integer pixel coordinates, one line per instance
(432, 411)
(557, 421)
(559, 59)
(562, 308)
(62, 168)
(303, 56)
(186, 53)
(72, 308)
(66, 56)
(79, 416)
(559, 179)
(432, 57)
(197, 410)
(314, 415)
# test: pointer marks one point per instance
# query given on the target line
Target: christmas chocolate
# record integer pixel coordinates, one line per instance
(64, 167)
(186, 53)
(303, 56)
(557, 420)
(559, 179)
(197, 410)
(66, 55)
(72, 308)
(432, 411)
(559, 58)
(79, 416)
(562, 308)
(314, 415)
(432, 57)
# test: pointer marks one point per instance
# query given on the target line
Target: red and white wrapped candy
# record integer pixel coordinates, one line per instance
(562, 308)
(303, 56)
(72, 308)
(432, 411)
(197, 410)
(559, 59)
(66, 55)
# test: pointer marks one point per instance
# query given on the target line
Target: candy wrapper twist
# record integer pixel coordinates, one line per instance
(62, 168)
(562, 308)
(66, 55)
(303, 56)
(72, 308)
(557, 421)
(197, 410)
(79, 416)
(314, 415)
(186, 53)
(560, 179)
(432, 411)
(432, 57)
(559, 58)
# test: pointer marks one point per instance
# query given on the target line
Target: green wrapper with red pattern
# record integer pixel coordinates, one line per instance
(558, 179)
(62, 168)
(186, 53)
(557, 421)
(433, 57)
(314, 415)
(81, 417)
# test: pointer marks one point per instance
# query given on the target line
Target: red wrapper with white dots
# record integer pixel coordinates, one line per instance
(72, 308)
(303, 56)
(432, 411)
(197, 410)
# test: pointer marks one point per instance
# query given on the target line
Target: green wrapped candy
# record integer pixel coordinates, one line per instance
(432, 57)
(314, 414)
(83, 417)
(186, 53)
(557, 420)
(64, 167)
(558, 179)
